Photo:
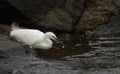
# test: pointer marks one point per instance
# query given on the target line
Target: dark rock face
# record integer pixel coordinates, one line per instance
(117, 2)
(96, 12)
(59, 15)
(56, 14)
(9, 14)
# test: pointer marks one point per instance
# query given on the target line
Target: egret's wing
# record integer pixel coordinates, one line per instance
(28, 36)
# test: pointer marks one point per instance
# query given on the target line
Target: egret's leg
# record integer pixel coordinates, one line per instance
(30, 47)
(29, 50)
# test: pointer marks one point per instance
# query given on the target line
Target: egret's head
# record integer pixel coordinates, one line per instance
(51, 36)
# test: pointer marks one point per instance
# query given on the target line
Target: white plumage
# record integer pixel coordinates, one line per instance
(33, 37)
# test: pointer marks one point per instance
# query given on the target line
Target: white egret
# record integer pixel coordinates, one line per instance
(33, 37)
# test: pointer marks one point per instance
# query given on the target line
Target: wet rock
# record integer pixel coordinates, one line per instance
(103, 71)
(56, 14)
(111, 29)
(10, 48)
(80, 60)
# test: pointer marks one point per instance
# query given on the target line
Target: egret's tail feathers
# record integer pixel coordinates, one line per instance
(14, 26)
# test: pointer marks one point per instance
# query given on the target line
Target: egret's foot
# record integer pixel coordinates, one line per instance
(13, 39)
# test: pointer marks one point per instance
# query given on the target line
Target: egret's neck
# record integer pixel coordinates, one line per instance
(47, 39)
(46, 43)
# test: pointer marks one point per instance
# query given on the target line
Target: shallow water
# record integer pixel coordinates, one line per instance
(69, 45)
(76, 44)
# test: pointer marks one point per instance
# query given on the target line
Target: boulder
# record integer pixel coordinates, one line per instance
(117, 2)
(96, 12)
(57, 15)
